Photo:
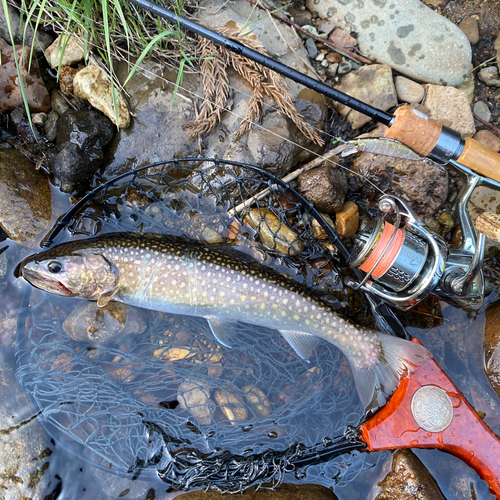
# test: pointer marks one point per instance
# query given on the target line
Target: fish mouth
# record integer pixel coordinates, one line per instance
(45, 283)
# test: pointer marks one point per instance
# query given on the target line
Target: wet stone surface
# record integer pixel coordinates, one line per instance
(81, 137)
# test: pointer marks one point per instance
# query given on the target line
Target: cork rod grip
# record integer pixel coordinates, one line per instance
(480, 159)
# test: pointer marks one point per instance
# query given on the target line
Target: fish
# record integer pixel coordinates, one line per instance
(181, 278)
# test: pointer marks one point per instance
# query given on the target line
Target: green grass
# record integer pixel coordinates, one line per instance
(112, 29)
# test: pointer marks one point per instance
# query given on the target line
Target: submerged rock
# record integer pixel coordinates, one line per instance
(371, 84)
(25, 199)
(81, 137)
(405, 34)
(406, 477)
(11, 96)
(423, 184)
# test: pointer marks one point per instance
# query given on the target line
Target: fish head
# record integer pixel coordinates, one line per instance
(82, 273)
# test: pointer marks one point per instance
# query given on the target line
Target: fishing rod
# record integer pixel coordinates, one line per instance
(425, 136)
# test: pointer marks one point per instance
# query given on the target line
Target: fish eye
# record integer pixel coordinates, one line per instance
(54, 267)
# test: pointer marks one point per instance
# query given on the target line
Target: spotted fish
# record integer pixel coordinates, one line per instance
(180, 278)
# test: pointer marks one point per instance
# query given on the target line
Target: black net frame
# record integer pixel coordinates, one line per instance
(132, 407)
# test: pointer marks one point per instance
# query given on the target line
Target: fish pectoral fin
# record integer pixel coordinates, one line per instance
(302, 343)
(222, 330)
(104, 298)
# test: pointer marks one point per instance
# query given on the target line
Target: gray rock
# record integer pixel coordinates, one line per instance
(312, 50)
(81, 137)
(490, 76)
(371, 84)
(42, 40)
(451, 107)
(423, 184)
(50, 127)
(25, 199)
(404, 34)
(408, 90)
(325, 187)
(482, 110)
(59, 104)
(407, 477)
(25, 450)
(470, 26)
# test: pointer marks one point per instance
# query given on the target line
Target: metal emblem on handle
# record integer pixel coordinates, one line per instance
(432, 408)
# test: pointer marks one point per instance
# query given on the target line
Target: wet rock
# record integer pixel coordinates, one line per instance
(406, 35)
(20, 31)
(406, 477)
(325, 187)
(489, 139)
(50, 126)
(231, 405)
(65, 51)
(470, 26)
(81, 137)
(91, 83)
(24, 216)
(492, 346)
(490, 76)
(194, 395)
(10, 94)
(451, 107)
(482, 110)
(89, 323)
(347, 220)
(25, 448)
(59, 104)
(372, 85)
(408, 90)
(342, 37)
(423, 184)
(284, 492)
(18, 125)
(257, 400)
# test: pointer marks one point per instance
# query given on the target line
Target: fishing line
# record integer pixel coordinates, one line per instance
(148, 73)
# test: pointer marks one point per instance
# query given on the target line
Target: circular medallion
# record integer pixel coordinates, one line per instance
(431, 408)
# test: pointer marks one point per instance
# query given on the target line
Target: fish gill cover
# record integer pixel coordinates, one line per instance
(172, 401)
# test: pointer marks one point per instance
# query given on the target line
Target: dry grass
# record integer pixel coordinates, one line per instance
(264, 83)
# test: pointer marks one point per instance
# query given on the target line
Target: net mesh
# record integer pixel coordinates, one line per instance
(157, 394)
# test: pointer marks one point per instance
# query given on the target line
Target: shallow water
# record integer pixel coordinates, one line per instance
(454, 340)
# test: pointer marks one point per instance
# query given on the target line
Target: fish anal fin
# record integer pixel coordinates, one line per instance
(104, 298)
(222, 330)
(302, 343)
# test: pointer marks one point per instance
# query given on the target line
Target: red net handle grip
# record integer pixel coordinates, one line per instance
(421, 134)
(467, 436)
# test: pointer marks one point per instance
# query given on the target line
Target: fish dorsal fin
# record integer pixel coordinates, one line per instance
(222, 330)
(303, 343)
(104, 298)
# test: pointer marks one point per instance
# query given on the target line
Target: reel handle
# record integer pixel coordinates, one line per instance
(429, 138)
(414, 419)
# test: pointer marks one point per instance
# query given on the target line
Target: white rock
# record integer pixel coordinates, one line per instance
(92, 83)
(405, 34)
(408, 90)
(71, 49)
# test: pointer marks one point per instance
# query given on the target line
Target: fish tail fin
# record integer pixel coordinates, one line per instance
(378, 378)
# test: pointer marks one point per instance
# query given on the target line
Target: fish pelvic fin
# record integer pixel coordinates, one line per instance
(378, 378)
(302, 343)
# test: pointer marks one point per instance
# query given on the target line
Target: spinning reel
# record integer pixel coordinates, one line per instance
(405, 262)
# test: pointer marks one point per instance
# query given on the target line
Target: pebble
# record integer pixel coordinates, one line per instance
(451, 107)
(50, 126)
(408, 90)
(257, 400)
(312, 50)
(470, 26)
(489, 76)
(333, 57)
(231, 405)
(39, 119)
(371, 84)
(59, 104)
(482, 110)
(342, 37)
(405, 34)
(344, 67)
(320, 57)
(347, 220)
(325, 187)
(91, 83)
(11, 96)
(326, 27)
(489, 139)
(65, 51)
